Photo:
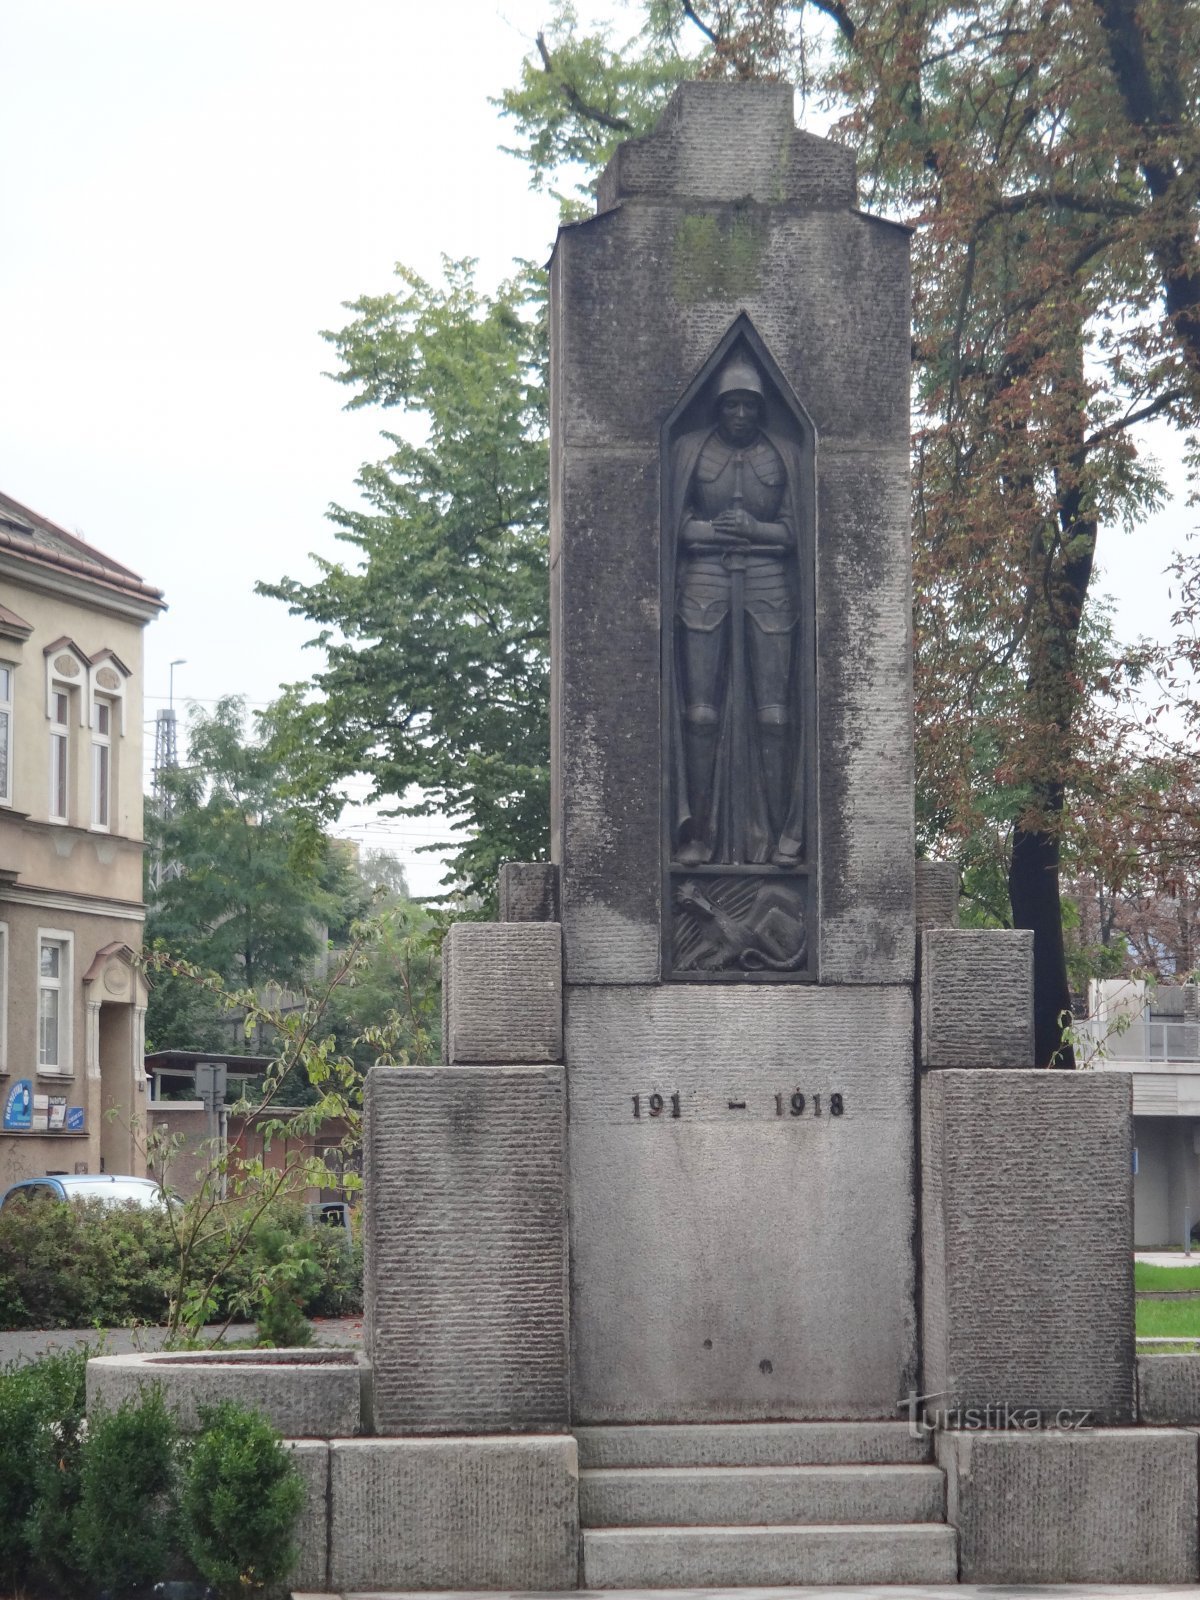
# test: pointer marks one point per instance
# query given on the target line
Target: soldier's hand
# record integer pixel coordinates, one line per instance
(735, 522)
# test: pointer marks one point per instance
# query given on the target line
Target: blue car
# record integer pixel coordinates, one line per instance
(107, 1186)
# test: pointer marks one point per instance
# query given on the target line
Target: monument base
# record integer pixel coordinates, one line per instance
(467, 1513)
(1111, 1505)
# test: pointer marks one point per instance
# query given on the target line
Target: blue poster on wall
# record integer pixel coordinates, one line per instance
(18, 1108)
(74, 1119)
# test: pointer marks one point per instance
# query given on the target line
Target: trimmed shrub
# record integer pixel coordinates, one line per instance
(241, 1500)
(41, 1421)
(126, 1521)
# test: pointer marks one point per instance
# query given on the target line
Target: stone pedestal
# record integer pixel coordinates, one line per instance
(1027, 1242)
(465, 1280)
(741, 1124)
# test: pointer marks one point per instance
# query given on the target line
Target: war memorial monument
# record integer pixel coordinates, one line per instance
(736, 1241)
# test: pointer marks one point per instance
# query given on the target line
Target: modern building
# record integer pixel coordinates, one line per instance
(72, 1001)
(1153, 1033)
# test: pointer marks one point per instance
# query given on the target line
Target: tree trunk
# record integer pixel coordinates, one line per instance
(1033, 888)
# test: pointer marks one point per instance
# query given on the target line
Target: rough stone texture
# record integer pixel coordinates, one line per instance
(676, 1558)
(454, 1513)
(721, 141)
(937, 895)
(760, 1444)
(503, 992)
(306, 1394)
(727, 209)
(312, 1527)
(1108, 1506)
(727, 1496)
(1168, 1389)
(709, 1252)
(976, 997)
(1027, 1241)
(465, 1288)
(528, 891)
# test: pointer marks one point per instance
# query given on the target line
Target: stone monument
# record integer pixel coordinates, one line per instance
(696, 1244)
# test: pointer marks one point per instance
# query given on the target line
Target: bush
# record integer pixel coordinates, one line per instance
(91, 1264)
(241, 1500)
(127, 1517)
(41, 1421)
(287, 1275)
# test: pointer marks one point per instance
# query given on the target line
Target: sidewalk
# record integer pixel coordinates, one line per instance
(343, 1332)
(951, 1591)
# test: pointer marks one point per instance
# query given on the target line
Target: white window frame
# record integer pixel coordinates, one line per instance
(63, 986)
(6, 716)
(60, 746)
(3, 996)
(102, 761)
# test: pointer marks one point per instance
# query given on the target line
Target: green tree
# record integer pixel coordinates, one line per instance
(251, 888)
(435, 630)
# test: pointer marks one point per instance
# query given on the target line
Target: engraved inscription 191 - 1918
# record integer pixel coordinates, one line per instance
(738, 525)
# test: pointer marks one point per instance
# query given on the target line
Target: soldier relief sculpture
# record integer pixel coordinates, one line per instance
(738, 522)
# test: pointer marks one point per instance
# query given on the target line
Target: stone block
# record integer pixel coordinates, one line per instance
(977, 997)
(735, 142)
(1027, 1241)
(528, 891)
(503, 992)
(454, 1514)
(1107, 1506)
(709, 1250)
(305, 1394)
(311, 1457)
(937, 895)
(465, 1284)
(1168, 1389)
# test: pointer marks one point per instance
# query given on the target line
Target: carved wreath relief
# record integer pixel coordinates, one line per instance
(738, 685)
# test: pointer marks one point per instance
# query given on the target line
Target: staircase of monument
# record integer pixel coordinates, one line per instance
(761, 1505)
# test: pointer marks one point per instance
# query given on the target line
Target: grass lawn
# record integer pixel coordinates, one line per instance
(1164, 1319)
(1147, 1277)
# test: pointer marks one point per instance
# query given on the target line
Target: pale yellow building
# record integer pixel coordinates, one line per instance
(72, 1003)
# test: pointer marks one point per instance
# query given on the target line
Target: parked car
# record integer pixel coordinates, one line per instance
(111, 1187)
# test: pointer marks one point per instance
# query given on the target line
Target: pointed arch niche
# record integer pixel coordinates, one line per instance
(739, 675)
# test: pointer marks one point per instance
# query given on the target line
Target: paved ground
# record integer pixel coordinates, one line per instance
(953, 1591)
(1169, 1258)
(336, 1331)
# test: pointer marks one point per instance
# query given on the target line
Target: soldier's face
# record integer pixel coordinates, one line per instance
(739, 415)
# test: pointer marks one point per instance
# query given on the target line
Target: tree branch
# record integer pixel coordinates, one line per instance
(693, 17)
(575, 100)
(835, 10)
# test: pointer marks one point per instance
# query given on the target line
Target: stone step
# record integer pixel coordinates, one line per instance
(695, 1558)
(751, 1444)
(627, 1497)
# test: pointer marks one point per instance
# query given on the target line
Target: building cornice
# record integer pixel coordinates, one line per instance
(49, 577)
(29, 894)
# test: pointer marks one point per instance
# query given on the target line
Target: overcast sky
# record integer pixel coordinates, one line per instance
(188, 193)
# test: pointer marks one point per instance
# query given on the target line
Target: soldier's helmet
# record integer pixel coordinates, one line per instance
(739, 376)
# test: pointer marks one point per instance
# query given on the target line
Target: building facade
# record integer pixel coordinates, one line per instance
(72, 1003)
(1153, 1033)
